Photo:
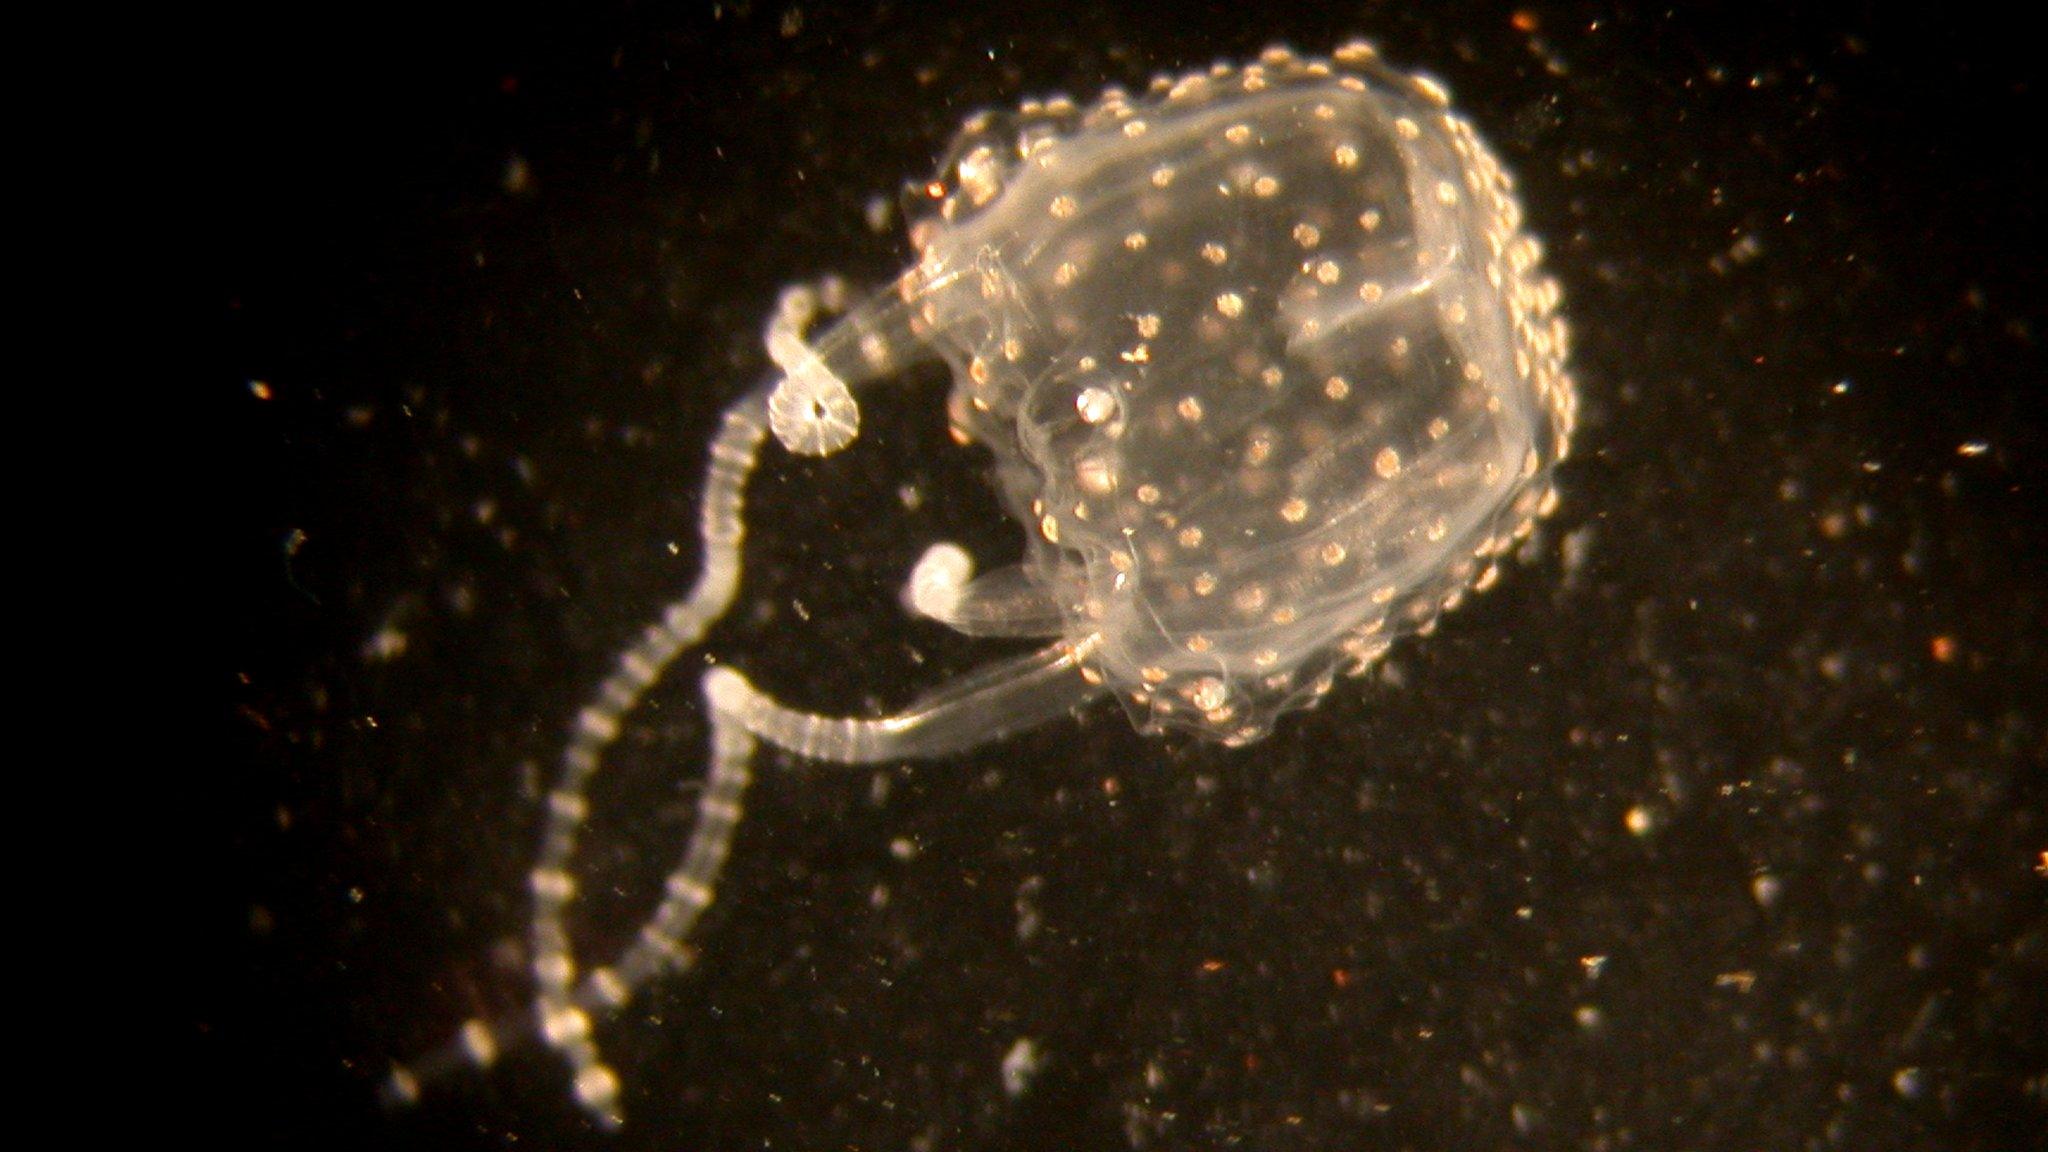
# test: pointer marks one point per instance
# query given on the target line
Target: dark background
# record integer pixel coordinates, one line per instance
(1761, 722)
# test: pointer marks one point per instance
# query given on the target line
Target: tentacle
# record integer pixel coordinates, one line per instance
(977, 708)
(1006, 602)
(813, 411)
(563, 1004)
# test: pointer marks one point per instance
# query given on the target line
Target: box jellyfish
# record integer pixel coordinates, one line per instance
(1270, 376)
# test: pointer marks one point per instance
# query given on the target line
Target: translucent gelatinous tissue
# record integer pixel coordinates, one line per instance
(1265, 362)
(1270, 377)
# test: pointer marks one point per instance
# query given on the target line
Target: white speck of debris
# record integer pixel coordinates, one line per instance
(879, 212)
(1028, 918)
(387, 645)
(1020, 1064)
(1766, 889)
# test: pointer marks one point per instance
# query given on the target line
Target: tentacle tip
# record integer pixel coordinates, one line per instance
(938, 580)
(727, 691)
(813, 418)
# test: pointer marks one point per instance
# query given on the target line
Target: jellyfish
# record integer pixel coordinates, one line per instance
(1270, 376)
